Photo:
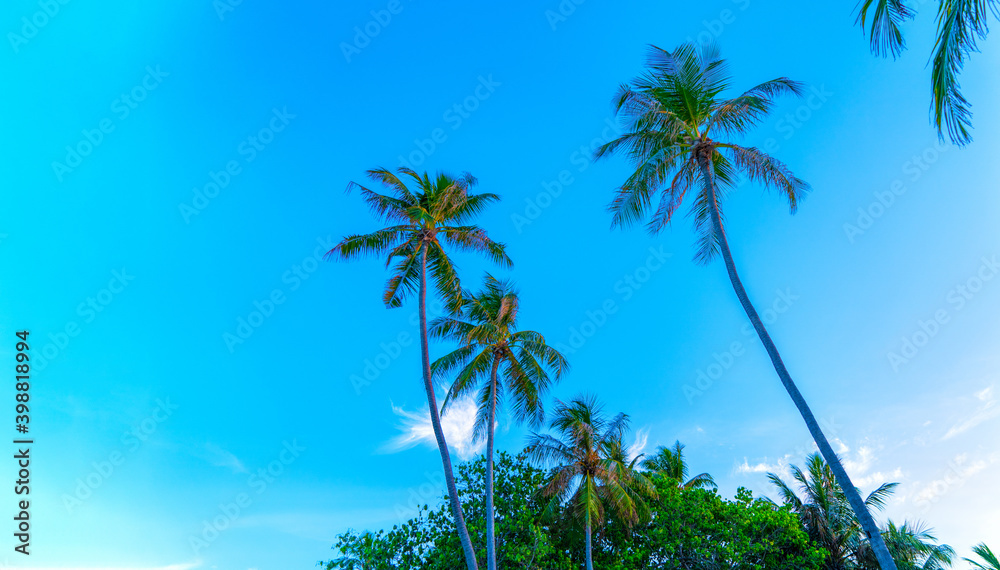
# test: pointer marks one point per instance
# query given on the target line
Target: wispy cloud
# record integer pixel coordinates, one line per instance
(987, 411)
(221, 458)
(458, 424)
(639, 445)
(780, 467)
(958, 471)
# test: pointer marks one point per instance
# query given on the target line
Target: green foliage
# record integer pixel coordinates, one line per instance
(429, 541)
(829, 520)
(989, 560)
(686, 529)
(961, 24)
(696, 529)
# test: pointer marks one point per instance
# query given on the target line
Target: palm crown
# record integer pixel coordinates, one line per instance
(486, 329)
(824, 509)
(671, 114)
(586, 459)
(670, 462)
(432, 214)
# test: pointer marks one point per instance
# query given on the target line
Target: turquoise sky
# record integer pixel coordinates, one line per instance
(173, 172)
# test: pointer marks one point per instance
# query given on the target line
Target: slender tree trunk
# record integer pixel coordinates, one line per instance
(449, 475)
(491, 546)
(854, 498)
(590, 557)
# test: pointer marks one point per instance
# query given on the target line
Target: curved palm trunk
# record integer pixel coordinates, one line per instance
(590, 557)
(491, 546)
(449, 475)
(857, 504)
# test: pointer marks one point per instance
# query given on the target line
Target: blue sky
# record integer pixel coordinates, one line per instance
(149, 420)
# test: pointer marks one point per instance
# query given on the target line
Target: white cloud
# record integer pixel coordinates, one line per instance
(841, 446)
(781, 467)
(639, 445)
(860, 463)
(221, 458)
(458, 424)
(958, 471)
(987, 411)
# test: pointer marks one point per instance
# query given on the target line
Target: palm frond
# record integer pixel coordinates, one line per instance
(960, 24)
(886, 18)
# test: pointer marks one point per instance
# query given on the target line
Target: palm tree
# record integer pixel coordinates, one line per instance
(671, 115)
(912, 546)
(669, 461)
(491, 345)
(824, 510)
(425, 219)
(960, 25)
(989, 562)
(587, 475)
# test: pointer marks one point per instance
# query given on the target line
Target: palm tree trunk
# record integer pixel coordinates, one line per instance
(854, 498)
(491, 547)
(590, 557)
(449, 475)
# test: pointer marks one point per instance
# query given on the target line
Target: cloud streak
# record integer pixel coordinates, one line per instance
(987, 411)
(458, 425)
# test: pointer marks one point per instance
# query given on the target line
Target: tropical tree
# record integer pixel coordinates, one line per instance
(424, 219)
(989, 562)
(358, 552)
(824, 510)
(672, 116)
(960, 25)
(669, 461)
(502, 362)
(913, 547)
(587, 478)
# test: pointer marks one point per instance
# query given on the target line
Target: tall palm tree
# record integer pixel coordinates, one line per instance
(501, 361)
(587, 475)
(670, 462)
(824, 509)
(989, 562)
(434, 213)
(672, 115)
(960, 25)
